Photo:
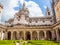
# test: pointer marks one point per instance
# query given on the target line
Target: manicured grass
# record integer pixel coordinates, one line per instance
(44, 42)
(29, 42)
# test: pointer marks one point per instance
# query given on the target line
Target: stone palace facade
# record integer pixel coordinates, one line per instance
(31, 28)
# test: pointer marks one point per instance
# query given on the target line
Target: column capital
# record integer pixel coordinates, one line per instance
(31, 32)
(18, 32)
(45, 31)
(37, 31)
(11, 32)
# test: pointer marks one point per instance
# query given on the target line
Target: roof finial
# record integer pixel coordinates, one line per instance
(23, 5)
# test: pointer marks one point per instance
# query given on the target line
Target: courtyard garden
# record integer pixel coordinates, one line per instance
(29, 42)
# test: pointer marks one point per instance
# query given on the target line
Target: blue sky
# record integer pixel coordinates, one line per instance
(12, 6)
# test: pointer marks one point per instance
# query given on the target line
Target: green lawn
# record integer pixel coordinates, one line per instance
(29, 42)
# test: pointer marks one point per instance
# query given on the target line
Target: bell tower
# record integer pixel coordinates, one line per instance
(1, 9)
(48, 13)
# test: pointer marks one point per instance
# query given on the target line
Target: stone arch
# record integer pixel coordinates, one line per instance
(49, 35)
(15, 35)
(41, 35)
(34, 35)
(21, 35)
(28, 35)
(9, 35)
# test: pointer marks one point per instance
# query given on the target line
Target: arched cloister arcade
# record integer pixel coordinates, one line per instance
(30, 35)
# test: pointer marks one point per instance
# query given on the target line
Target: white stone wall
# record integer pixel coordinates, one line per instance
(33, 22)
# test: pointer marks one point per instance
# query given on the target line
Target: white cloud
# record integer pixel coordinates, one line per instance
(9, 11)
(13, 3)
(34, 9)
(21, 1)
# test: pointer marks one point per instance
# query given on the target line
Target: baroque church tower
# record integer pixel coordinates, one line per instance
(21, 16)
(48, 12)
